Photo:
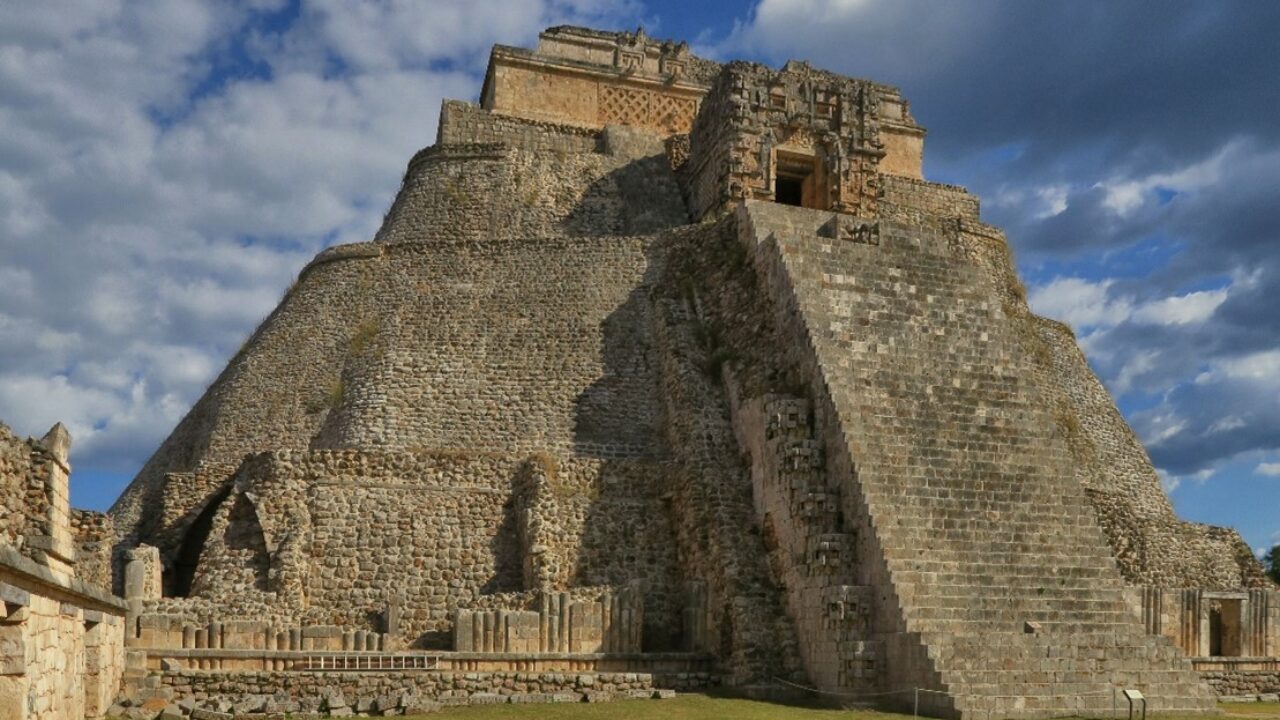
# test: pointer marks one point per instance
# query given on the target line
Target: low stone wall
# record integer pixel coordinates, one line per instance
(1241, 678)
(206, 694)
(1244, 682)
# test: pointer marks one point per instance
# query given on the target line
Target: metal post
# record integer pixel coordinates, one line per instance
(915, 712)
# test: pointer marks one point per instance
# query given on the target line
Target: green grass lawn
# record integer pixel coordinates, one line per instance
(682, 707)
(703, 707)
(1252, 710)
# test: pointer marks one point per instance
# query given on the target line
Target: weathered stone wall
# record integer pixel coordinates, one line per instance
(351, 538)
(61, 636)
(544, 344)
(587, 523)
(1244, 683)
(464, 123)
(407, 692)
(24, 502)
(913, 200)
(494, 191)
(275, 392)
(94, 535)
(305, 376)
(61, 644)
(733, 606)
(1151, 545)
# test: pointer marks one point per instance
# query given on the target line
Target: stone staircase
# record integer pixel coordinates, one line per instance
(996, 559)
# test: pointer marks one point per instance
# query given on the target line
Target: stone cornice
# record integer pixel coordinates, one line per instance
(13, 562)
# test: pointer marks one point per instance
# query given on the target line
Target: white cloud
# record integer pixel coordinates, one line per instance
(1172, 482)
(144, 229)
(1087, 304)
(1271, 469)
(1226, 424)
(1181, 309)
(1262, 369)
(1123, 196)
(1079, 303)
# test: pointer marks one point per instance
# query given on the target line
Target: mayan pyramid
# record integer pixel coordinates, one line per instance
(683, 364)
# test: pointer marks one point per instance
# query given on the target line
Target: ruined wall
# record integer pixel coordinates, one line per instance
(1151, 545)
(464, 123)
(24, 502)
(94, 535)
(53, 667)
(352, 538)
(407, 692)
(587, 523)
(1243, 684)
(274, 393)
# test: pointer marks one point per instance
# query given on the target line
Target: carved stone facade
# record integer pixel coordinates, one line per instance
(796, 135)
(593, 79)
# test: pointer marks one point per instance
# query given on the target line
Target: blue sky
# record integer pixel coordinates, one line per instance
(167, 166)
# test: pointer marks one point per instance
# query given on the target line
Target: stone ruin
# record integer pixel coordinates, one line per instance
(663, 374)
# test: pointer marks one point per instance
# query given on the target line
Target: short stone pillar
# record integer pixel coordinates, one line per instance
(142, 573)
(141, 583)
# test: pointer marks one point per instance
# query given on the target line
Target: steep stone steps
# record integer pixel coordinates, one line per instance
(965, 477)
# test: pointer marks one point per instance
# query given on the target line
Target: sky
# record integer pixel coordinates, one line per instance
(168, 166)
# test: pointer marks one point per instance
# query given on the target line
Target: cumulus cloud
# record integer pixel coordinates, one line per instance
(1080, 303)
(167, 166)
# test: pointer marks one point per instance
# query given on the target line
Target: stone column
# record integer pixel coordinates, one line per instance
(57, 544)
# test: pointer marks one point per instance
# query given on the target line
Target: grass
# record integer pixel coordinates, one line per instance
(704, 707)
(1251, 710)
(682, 707)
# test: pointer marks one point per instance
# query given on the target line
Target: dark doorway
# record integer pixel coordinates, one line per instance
(1225, 629)
(797, 181)
(179, 578)
(789, 190)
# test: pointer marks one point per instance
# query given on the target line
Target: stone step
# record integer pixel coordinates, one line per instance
(1052, 562)
(1035, 605)
(1003, 582)
(1002, 615)
(1118, 656)
(947, 625)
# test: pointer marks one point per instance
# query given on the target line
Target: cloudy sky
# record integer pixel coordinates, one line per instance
(167, 167)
